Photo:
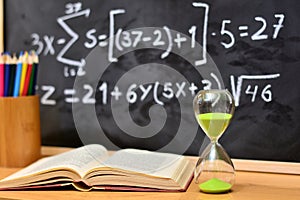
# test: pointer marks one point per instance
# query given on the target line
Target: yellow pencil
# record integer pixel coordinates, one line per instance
(24, 71)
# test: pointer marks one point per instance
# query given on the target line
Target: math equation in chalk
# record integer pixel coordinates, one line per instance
(118, 39)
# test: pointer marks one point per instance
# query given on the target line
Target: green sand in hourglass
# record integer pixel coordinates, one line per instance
(214, 124)
(214, 110)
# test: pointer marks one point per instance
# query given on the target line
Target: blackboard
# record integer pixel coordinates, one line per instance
(146, 66)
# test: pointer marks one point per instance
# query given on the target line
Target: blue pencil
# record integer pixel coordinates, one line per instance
(18, 76)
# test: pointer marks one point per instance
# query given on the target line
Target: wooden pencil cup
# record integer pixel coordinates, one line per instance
(20, 135)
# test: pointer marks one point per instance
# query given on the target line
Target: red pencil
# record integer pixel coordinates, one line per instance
(27, 78)
(1, 76)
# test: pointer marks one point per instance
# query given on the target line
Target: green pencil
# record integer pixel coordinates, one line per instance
(31, 83)
(33, 77)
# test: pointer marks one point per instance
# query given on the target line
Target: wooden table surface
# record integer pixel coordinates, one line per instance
(249, 185)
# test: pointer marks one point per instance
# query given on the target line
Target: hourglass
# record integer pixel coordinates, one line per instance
(214, 171)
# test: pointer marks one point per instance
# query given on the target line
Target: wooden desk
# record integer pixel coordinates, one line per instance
(249, 185)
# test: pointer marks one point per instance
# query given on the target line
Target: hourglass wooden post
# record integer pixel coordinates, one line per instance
(214, 110)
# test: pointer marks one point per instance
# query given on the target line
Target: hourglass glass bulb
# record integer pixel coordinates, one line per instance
(213, 110)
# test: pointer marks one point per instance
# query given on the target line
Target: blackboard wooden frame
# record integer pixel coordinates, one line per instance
(240, 164)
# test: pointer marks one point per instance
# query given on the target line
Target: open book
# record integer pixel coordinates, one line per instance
(90, 167)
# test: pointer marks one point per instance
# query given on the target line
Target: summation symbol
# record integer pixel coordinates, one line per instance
(62, 22)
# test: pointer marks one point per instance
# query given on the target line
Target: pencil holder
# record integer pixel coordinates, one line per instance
(20, 136)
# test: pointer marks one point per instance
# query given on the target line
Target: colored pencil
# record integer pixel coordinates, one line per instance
(36, 67)
(23, 74)
(27, 78)
(6, 74)
(31, 86)
(1, 76)
(18, 75)
(13, 67)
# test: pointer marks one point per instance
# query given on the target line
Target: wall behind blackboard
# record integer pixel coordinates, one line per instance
(255, 45)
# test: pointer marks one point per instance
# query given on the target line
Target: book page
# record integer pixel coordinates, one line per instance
(142, 161)
(81, 160)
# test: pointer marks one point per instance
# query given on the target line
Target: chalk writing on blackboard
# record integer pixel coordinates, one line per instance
(254, 45)
(118, 39)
